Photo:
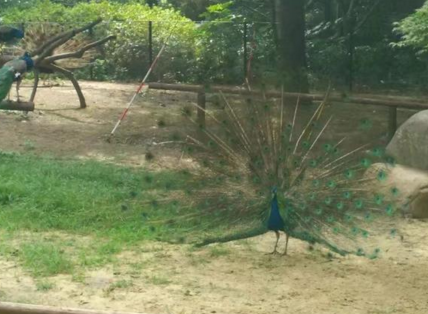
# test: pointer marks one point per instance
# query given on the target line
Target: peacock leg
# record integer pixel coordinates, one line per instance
(286, 243)
(276, 244)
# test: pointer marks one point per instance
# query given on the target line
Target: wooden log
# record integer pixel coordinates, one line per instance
(14, 308)
(405, 103)
(19, 106)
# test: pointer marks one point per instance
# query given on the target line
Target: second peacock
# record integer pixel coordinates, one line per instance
(13, 71)
(261, 166)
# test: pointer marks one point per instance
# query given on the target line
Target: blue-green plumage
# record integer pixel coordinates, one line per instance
(12, 71)
(276, 223)
(8, 33)
(7, 75)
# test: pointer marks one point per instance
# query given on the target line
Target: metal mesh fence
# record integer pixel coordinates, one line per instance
(232, 53)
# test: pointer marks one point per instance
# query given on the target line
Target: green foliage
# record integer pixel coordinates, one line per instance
(127, 56)
(414, 30)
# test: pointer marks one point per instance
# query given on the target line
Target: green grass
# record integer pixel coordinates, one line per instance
(44, 286)
(106, 205)
(42, 194)
(45, 259)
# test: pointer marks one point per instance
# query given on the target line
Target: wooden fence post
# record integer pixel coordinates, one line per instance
(392, 122)
(202, 100)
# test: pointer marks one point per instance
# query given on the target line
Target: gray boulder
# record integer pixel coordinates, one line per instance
(409, 145)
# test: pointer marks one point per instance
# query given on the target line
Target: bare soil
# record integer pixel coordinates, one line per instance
(234, 278)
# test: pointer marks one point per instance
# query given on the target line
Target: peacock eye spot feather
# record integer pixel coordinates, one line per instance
(327, 147)
(368, 216)
(305, 144)
(390, 161)
(378, 199)
(365, 234)
(382, 176)
(331, 184)
(359, 204)
(395, 191)
(365, 162)
(328, 200)
(347, 195)
(377, 152)
(319, 211)
(316, 183)
(390, 210)
(340, 205)
(365, 124)
(349, 174)
(330, 219)
(313, 163)
(348, 218)
(393, 232)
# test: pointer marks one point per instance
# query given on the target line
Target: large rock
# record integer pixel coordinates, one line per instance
(411, 185)
(409, 145)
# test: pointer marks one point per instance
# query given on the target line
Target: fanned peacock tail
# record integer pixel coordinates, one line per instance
(244, 151)
(39, 33)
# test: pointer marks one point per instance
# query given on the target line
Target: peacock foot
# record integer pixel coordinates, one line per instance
(273, 253)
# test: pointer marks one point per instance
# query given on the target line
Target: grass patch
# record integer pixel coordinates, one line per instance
(44, 259)
(158, 280)
(217, 251)
(44, 286)
(89, 198)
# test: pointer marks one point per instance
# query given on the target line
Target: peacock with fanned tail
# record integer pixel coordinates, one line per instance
(259, 169)
(36, 35)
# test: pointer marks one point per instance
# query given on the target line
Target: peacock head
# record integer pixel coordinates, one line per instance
(17, 33)
(274, 191)
(27, 58)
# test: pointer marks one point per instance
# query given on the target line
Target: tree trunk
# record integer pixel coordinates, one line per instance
(290, 18)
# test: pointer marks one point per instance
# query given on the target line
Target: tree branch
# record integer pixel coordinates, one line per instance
(73, 80)
(64, 34)
(79, 53)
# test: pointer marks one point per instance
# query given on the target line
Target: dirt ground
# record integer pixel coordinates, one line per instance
(236, 278)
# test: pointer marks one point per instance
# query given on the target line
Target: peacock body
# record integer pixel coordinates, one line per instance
(7, 76)
(8, 33)
(321, 192)
(12, 71)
